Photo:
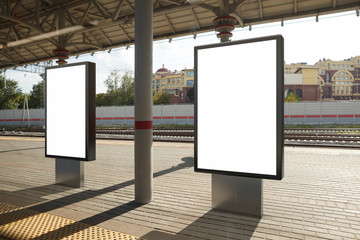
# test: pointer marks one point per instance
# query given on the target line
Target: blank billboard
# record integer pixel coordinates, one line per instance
(234, 83)
(70, 111)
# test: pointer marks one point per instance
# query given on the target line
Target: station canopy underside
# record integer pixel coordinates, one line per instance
(30, 30)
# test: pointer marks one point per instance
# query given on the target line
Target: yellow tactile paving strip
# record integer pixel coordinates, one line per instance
(25, 224)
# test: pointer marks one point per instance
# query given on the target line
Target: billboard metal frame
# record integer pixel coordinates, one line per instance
(279, 108)
(90, 114)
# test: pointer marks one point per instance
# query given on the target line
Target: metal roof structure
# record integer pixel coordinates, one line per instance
(30, 30)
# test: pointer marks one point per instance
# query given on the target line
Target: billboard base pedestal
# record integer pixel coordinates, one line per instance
(240, 195)
(69, 172)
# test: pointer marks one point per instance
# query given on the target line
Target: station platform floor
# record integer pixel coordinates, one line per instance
(319, 197)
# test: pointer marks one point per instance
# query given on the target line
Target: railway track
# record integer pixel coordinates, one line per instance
(344, 137)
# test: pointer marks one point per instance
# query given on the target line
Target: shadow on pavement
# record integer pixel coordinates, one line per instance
(81, 196)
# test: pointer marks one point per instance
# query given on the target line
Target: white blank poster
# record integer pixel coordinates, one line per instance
(66, 111)
(236, 108)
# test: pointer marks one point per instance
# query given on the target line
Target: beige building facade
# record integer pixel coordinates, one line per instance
(336, 80)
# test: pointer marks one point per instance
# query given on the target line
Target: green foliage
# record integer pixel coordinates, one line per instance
(161, 98)
(113, 81)
(120, 89)
(10, 97)
(291, 98)
(36, 98)
(191, 95)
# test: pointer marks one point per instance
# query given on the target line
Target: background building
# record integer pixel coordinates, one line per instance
(177, 83)
(325, 80)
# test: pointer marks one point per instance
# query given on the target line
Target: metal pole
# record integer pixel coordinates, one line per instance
(5, 79)
(143, 100)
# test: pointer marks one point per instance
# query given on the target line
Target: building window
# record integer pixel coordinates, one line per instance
(190, 83)
(190, 73)
(288, 92)
(328, 78)
(328, 89)
(328, 66)
(299, 93)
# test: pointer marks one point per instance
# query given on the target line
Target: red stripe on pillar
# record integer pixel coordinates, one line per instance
(143, 124)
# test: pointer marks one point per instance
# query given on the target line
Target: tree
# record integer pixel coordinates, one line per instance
(291, 98)
(10, 96)
(113, 81)
(36, 98)
(120, 89)
(127, 89)
(190, 95)
(161, 98)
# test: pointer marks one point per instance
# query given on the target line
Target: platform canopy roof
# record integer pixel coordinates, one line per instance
(31, 29)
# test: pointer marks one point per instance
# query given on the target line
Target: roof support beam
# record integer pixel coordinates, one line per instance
(17, 4)
(117, 11)
(53, 24)
(52, 9)
(17, 35)
(37, 6)
(106, 37)
(177, 2)
(195, 18)
(83, 44)
(16, 20)
(169, 23)
(85, 13)
(125, 33)
(156, 4)
(41, 26)
(100, 10)
(9, 57)
(260, 10)
(238, 17)
(215, 10)
(132, 9)
(31, 53)
(295, 7)
(223, 7)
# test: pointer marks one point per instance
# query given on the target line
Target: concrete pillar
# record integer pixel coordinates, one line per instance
(143, 100)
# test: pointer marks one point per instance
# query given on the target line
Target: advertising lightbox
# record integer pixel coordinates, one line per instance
(70, 111)
(239, 108)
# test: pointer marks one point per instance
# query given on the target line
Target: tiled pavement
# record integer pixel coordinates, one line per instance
(319, 198)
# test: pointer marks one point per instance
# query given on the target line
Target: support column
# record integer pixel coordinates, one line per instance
(143, 101)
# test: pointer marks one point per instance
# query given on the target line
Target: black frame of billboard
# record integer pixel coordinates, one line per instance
(90, 111)
(279, 108)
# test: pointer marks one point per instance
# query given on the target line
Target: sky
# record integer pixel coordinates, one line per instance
(334, 36)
